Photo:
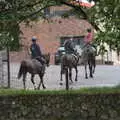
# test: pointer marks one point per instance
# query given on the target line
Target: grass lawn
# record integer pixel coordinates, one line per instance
(93, 90)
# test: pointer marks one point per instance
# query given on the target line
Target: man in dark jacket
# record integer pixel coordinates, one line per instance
(36, 51)
(69, 46)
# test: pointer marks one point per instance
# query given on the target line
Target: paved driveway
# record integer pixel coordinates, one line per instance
(104, 76)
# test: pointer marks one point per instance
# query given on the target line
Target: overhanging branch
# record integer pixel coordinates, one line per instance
(85, 16)
(32, 14)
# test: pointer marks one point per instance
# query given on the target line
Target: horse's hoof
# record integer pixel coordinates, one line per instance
(61, 83)
(86, 77)
(76, 80)
(91, 76)
(44, 87)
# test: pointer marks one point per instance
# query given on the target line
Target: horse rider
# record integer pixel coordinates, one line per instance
(69, 46)
(88, 40)
(36, 51)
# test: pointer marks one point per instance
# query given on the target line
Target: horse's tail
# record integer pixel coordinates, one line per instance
(21, 70)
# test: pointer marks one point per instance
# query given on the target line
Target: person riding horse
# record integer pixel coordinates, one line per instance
(88, 41)
(69, 47)
(88, 54)
(36, 51)
(69, 60)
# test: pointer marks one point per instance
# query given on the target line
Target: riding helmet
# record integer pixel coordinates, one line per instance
(34, 38)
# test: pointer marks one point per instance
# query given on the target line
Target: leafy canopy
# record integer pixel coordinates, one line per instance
(104, 17)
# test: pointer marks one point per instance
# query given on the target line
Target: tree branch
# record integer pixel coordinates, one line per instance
(85, 16)
(75, 7)
(36, 12)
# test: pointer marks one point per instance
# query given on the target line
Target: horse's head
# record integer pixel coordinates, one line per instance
(47, 58)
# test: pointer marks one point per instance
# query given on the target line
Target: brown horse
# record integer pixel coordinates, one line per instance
(69, 61)
(33, 66)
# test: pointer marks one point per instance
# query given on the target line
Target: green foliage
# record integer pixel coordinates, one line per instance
(9, 35)
(107, 16)
(14, 12)
(104, 17)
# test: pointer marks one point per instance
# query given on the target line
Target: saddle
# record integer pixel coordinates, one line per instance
(41, 60)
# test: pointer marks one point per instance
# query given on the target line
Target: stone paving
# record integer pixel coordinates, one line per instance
(105, 75)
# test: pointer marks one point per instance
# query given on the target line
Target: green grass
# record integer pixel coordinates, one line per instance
(93, 90)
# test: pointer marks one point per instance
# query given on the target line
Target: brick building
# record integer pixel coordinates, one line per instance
(49, 34)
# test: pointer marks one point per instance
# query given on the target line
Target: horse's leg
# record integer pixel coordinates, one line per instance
(86, 71)
(32, 80)
(70, 74)
(24, 80)
(76, 73)
(66, 78)
(62, 71)
(90, 69)
(41, 81)
(94, 65)
(61, 75)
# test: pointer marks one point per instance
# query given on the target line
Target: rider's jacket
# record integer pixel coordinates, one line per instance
(88, 38)
(35, 50)
(69, 46)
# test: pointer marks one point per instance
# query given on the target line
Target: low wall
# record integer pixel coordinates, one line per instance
(60, 107)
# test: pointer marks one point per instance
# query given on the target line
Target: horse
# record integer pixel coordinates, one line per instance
(33, 66)
(88, 58)
(69, 61)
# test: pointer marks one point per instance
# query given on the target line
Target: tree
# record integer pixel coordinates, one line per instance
(106, 16)
(14, 12)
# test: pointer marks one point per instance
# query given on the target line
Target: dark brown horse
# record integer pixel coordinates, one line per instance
(88, 58)
(33, 66)
(69, 61)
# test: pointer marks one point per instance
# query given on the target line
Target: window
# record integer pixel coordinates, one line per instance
(47, 11)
